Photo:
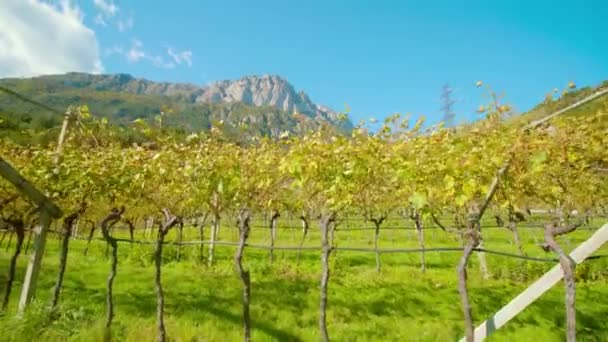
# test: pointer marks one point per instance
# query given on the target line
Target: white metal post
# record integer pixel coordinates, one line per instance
(538, 288)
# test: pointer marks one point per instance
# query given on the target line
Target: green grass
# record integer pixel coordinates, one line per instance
(399, 304)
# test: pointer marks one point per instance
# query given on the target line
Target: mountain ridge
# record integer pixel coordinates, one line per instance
(267, 104)
(253, 90)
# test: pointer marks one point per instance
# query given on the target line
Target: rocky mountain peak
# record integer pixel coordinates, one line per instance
(264, 90)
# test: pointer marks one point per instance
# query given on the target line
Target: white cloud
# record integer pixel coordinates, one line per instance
(66, 6)
(124, 25)
(108, 8)
(108, 12)
(99, 20)
(160, 62)
(136, 51)
(181, 57)
(137, 54)
(114, 50)
(38, 38)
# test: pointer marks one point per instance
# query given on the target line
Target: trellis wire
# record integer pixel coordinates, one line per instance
(348, 249)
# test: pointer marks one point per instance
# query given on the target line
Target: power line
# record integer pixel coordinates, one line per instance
(31, 101)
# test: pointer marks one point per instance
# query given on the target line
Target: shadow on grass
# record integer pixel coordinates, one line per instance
(196, 307)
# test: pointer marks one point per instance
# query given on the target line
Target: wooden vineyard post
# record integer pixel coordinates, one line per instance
(62, 135)
(33, 267)
(542, 285)
(47, 211)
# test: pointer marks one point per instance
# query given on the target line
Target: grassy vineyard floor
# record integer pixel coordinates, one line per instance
(399, 304)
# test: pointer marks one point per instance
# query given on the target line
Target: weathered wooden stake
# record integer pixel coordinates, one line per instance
(304, 233)
(273, 232)
(33, 268)
(418, 225)
(214, 230)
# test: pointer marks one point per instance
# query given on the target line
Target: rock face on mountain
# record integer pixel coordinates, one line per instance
(266, 90)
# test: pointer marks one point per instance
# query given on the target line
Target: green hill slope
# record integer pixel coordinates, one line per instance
(569, 98)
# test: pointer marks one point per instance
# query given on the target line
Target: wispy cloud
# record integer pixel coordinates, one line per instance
(109, 13)
(114, 50)
(136, 51)
(99, 20)
(107, 7)
(180, 57)
(160, 62)
(136, 54)
(125, 24)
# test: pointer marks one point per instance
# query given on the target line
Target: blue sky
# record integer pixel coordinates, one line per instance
(379, 57)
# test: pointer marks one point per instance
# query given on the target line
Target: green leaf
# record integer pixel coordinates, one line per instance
(469, 188)
(448, 183)
(418, 200)
(538, 157)
(461, 200)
